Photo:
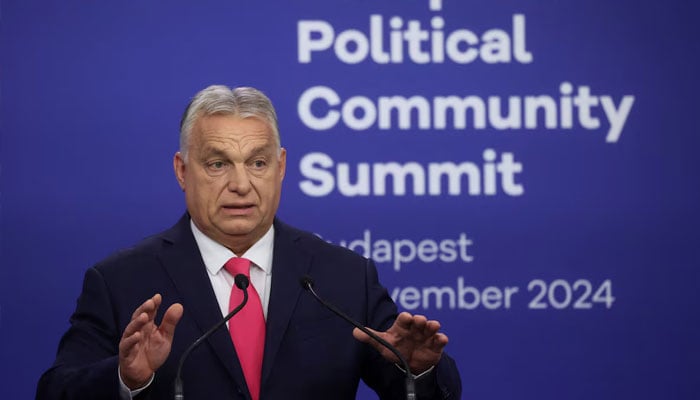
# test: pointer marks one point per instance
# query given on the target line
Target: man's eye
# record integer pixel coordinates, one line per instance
(216, 165)
(259, 163)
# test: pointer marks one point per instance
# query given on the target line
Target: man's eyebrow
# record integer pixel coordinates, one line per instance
(214, 151)
(210, 150)
(266, 148)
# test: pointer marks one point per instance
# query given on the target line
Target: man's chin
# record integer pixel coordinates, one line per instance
(240, 228)
(237, 231)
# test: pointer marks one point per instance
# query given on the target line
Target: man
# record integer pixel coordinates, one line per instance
(121, 344)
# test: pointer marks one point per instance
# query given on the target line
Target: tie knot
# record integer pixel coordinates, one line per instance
(238, 265)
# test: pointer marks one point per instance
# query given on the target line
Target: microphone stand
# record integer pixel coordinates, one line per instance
(307, 283)
(242, 283)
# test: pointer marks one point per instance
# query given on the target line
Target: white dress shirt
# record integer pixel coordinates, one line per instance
(216, 255)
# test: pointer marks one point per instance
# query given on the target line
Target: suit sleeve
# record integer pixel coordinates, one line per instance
(87, 359)
(442, 383)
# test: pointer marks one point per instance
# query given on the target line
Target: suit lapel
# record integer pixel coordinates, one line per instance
(184, 264)
(289, 264)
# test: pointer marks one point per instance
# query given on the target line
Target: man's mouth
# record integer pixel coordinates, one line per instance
(238, 208)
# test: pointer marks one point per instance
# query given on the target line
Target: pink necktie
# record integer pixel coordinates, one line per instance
(247, 328)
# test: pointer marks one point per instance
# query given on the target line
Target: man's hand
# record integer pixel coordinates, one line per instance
(416, 338)
(144, 347)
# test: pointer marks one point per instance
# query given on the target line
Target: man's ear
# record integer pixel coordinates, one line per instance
(179, 167)
(282, 162)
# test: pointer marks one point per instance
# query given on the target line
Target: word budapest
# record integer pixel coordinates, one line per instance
(410, 40)
(399, 252)
(323, 175)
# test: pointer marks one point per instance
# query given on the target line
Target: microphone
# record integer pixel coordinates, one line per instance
(307, 283)
(242, 283)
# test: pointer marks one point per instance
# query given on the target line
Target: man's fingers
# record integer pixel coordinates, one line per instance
(136, 324)
(416, 337)
(415, 327)
(418, 327)
(404, 321)
(156, 300)
(145, 307)
(149, 306)
(441, 340)
(431, 328)
(363, 337)
(170, 319)
(128, 342)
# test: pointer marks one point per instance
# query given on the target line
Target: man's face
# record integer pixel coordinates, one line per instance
(232, 179)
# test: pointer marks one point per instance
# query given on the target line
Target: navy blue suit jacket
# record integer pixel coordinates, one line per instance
(309, 352)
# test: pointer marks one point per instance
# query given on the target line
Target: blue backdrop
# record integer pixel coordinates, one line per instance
(523, 171)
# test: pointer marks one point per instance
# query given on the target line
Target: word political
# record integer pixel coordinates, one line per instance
(398, 41)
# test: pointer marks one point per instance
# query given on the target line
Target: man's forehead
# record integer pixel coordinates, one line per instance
(212, 142)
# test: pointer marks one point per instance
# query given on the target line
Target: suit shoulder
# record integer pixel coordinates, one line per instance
(141, 253)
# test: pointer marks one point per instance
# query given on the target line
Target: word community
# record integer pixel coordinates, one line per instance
(321, 108)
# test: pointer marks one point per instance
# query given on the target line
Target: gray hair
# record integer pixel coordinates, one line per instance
(243, 102)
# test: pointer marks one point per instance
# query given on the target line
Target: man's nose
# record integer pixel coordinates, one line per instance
(238, 179)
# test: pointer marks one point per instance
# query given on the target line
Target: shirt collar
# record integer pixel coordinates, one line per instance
(215, 254)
